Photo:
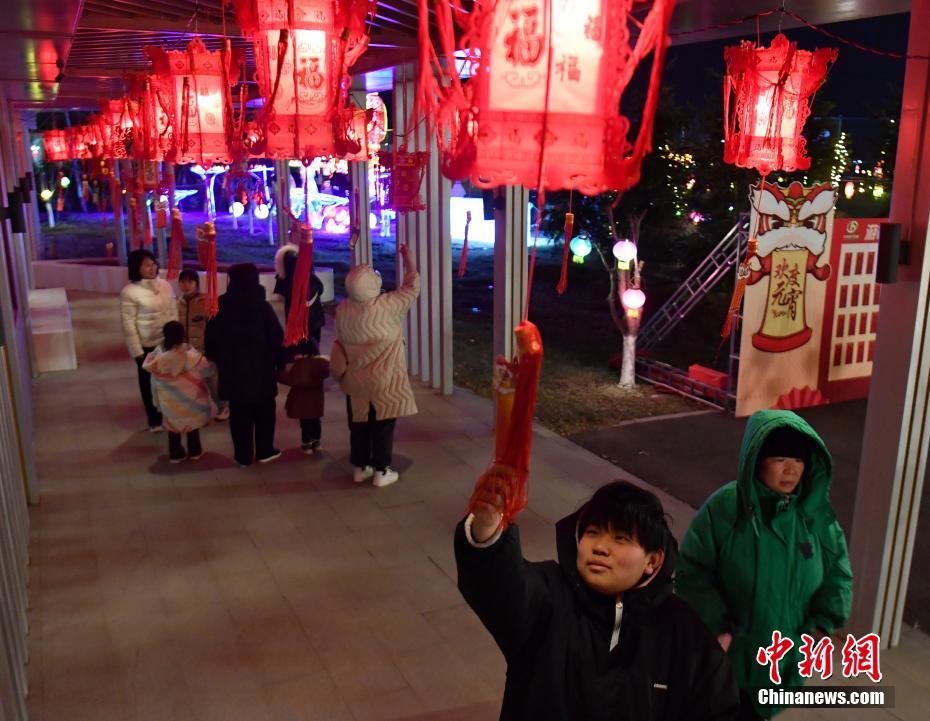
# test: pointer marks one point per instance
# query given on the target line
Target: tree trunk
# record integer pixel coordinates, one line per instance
(628, 369)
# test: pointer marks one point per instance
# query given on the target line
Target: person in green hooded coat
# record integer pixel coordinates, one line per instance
(765, 552)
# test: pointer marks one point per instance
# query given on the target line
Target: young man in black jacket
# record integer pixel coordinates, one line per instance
(599, 634)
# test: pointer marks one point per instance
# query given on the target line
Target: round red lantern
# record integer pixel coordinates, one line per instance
(542, 108)
(303, 51)
(767, 97)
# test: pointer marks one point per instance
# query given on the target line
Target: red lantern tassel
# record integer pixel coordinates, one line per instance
(299, 316)
(563, 279)
(206, 253)
(463, 260)
(742, 277)
(509, 473)
(175, 244)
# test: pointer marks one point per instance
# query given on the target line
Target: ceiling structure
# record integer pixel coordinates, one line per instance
(71, 54)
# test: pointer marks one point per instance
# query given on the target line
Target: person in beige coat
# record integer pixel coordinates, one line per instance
(147, 302)
(369, 361)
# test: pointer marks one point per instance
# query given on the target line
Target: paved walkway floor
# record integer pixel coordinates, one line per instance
(202, 591)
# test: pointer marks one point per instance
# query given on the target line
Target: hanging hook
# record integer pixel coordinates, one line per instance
(781, 15)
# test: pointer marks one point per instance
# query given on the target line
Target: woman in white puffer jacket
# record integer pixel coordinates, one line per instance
(147, 302)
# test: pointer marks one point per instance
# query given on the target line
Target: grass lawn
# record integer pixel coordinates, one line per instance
(578, 390)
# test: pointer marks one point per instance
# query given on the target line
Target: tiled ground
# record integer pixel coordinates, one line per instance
(206, 592)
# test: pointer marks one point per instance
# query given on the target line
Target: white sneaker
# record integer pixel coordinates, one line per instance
(156, 429)
(360, 475)
(385, 478)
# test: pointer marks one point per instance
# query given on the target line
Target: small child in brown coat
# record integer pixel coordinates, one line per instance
(304, 373)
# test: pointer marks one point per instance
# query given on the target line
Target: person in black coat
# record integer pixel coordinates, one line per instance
(244, 340)
(598, 635)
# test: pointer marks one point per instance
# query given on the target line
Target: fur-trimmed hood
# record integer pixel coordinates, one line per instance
(281, 268)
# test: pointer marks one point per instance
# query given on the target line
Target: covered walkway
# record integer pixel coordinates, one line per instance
(204, 591)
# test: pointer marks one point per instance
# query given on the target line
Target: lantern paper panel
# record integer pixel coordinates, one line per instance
(154, 122)
(303, 50)
(767, 99)
(116, 118)
(197, 85)
(542, 107)
(56, 146)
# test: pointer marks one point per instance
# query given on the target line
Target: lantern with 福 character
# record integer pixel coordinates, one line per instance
(542, 108)
(767, 100)
(56, 146)
(303, 51)
(199, 104)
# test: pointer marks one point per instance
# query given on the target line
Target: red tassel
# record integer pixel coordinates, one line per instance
(463, 259)
(563, 279)
(175, 243)
(206, 253)
(299, 316)
(742, 277)
(510, 471)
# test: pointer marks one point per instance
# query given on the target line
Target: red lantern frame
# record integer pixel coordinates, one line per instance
(543, 105)
(190, 91)
(56, 146)
(305, 94)
(767, 99)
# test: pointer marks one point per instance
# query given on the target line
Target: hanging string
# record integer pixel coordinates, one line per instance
(541, 193)
(833, 36)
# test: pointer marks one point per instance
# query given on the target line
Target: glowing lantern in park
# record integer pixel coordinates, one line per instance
(303, 51)
(767, 98)
(625, 252)
(56, 145)
(199, 105)
(581, 247)
(633, 299)
(542, 108)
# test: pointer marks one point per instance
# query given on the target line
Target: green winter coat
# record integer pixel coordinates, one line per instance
(754, 561)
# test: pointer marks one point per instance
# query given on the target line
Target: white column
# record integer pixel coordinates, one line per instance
(511, 264)
(282, 201)
(897, 428)
(359, 174)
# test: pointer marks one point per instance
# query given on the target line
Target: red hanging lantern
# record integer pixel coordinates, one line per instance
(303, 51)
(56, 145)
(116, 118)
(190, 89)
(767, 97)
(542, 107)
(407, 171)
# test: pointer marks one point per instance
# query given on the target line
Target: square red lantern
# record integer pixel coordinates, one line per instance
(116, 119)
(56, 146)
(198, 104)
(542, 108)
(767, 98)
(303, 51)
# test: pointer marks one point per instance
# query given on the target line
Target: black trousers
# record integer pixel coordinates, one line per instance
(251, 425)
(371, 441)
(176, 447)
(145, 390)
(311, 429)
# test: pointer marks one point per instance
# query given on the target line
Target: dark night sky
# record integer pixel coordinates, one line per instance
(858, 82)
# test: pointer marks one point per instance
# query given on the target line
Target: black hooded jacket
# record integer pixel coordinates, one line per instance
(555, 634)
(244, 340)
